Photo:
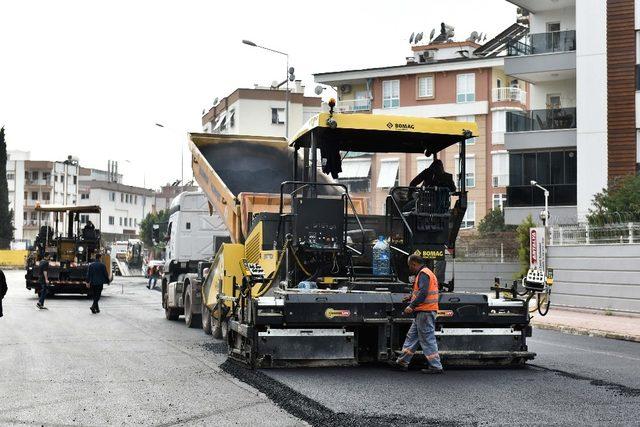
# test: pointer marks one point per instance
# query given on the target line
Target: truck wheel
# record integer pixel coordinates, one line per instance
(170, 313)
(192, 320)
(206, 319)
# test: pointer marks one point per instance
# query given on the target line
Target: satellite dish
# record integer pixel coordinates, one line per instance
(318, 90)
(215, 101)
(473, 36)
(411, 38)
(433, 33)
(418, 38)
(274, 84)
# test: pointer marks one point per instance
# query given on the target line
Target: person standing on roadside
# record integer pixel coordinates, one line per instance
(153, 276)
(3, 289)
(97, 277)
(43, 280)
(424, 303)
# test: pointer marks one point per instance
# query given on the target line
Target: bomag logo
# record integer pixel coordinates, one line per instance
(330, 313)
(430, 253)
(401, 126)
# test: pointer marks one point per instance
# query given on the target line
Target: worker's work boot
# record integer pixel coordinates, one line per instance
(398, 366)
(431, 370)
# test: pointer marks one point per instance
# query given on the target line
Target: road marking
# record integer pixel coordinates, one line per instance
(584, 349)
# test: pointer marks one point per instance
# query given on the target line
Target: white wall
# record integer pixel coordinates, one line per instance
(566, 17)
(566, 89)
(253, 117)
(438, 110)
(591, 87)
(15, 164)
(117, 209)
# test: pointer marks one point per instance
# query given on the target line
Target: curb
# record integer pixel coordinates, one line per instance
(589, 332)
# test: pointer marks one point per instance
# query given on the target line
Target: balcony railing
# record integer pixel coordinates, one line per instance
(513, 94)
(547, 119)
(527, 195)
(555, 41)
(353, 105)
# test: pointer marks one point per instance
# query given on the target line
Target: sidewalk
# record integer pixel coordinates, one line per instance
(583, 322)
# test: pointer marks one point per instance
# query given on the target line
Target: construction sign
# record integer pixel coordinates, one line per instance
(537, 248)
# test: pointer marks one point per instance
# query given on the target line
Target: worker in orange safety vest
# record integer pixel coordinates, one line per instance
(423, 302)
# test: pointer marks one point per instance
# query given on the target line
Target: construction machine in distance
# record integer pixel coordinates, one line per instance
(70, 245)
(296, 285)
(127, 257)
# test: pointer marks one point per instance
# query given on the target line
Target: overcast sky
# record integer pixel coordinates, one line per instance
(90, 78)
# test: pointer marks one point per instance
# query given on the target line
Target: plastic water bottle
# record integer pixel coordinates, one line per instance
(381, 258)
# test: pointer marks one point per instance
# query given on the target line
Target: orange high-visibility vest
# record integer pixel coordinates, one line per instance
(431, 302)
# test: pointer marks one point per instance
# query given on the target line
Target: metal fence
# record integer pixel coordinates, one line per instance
(587, 234)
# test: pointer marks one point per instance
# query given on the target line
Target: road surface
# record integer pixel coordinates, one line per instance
(128, 365)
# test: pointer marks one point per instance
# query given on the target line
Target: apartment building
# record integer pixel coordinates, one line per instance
(450, 80)
(261, 111)
(32, 182)
(123, 207)
(580, 134)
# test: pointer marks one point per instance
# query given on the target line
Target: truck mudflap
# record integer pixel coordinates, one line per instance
(306, 347)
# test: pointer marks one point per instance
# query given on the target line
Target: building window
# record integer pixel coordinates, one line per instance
(135, 222)
(34, 195)
(499, 201)
(469, 220)
(121, 197)
(84, 196)
(120, 221)
(466, 88)
(46, 175)
(112, 220)
(135, 200)
(112, 196)
(388, 176)
(472, 119)
(277, 116)
(232, 118)
(34, 175)
(11, 176)
(24, 216)
(75, 179)
(34, 216)
(500, 168)
(83, 219)
(62, 179)
(46, 196)
(188, 225)
(426, 87)
(55, 178)
(470, 171)
(390, 93)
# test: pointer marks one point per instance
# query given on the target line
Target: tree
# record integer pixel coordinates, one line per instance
(146, 227)
(493, 222)
(522, 233)
(620, 203)
(6, 219)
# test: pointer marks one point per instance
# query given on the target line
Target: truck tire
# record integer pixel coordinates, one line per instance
(170, 313)
(206, 319)
(190, 319)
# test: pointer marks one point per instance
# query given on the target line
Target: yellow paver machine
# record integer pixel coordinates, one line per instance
(296, 286)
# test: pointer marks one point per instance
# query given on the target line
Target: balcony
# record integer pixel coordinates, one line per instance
(509, 94)
(353, 105)
(556, 41)
(543, 57)
(546, 119)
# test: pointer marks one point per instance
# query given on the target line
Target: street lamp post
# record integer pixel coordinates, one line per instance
(286, 105)
(545, 213)
(160, 125)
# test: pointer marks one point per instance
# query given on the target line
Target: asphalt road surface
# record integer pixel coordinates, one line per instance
(128, 365)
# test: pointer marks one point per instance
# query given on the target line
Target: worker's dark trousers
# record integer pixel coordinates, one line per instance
(96, 291)
(1, 307)
(43, 293)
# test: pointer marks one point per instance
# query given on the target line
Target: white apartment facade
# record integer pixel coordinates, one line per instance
(123, 207)
(580, 135)
(261, 111)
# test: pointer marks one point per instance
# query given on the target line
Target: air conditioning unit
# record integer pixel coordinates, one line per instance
(345, 89)
(496, 181)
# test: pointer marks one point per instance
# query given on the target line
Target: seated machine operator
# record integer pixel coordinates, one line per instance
(435, 176)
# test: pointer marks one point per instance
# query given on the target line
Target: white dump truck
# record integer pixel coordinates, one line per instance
(194, 234)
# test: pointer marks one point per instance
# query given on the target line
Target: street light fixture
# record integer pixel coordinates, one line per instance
(289, 74)
(545, 214)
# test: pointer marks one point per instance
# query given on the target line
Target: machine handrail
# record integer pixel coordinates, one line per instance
(395, 205)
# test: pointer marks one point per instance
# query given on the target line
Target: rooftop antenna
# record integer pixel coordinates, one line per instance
(411, 38)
